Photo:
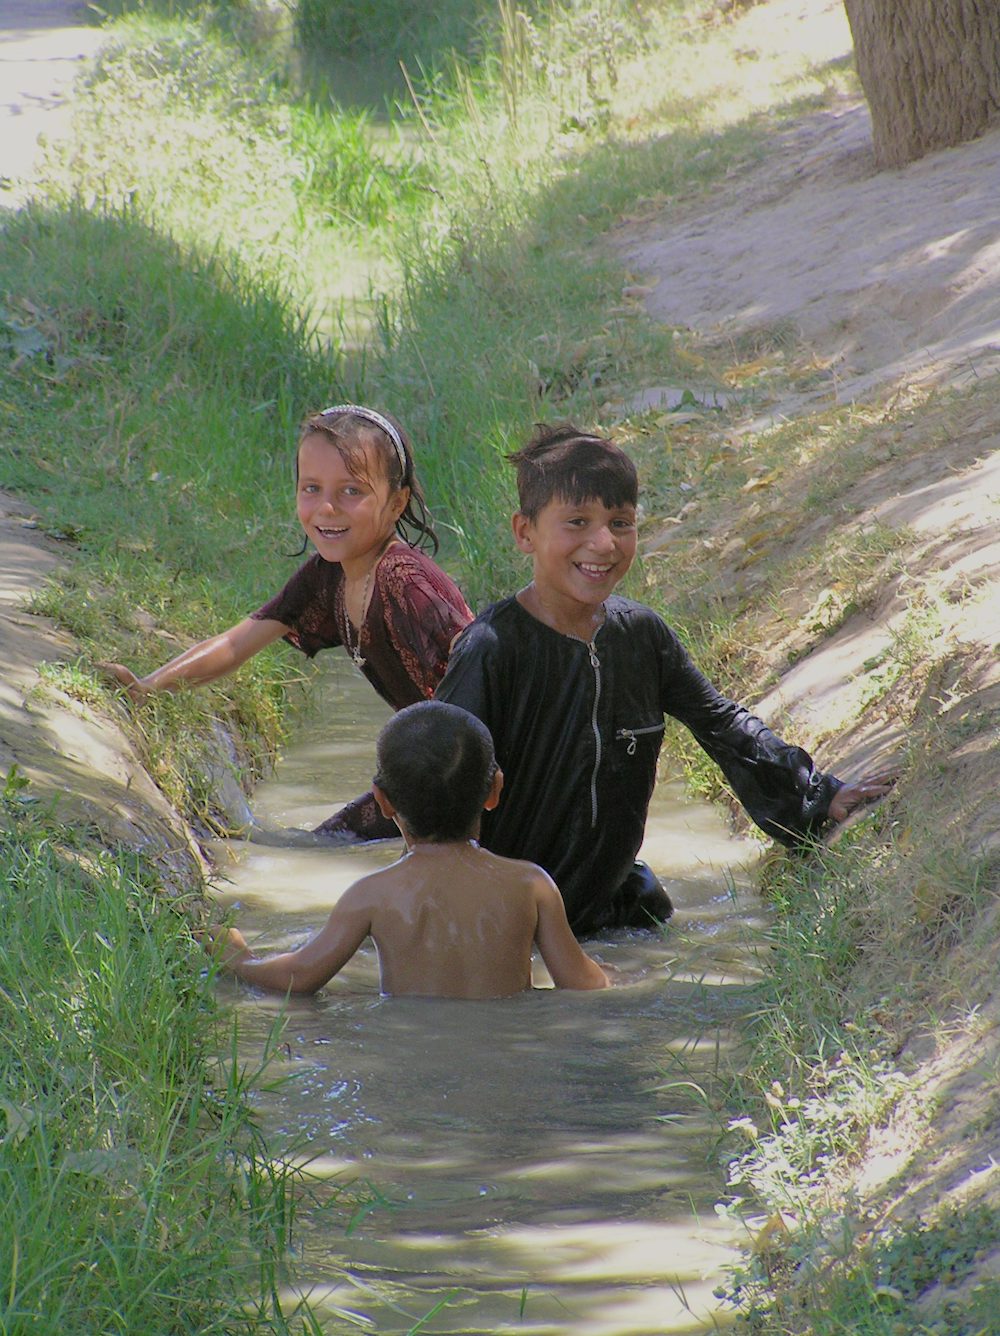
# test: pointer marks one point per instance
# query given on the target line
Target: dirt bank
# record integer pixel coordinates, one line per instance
(74, 757)
(80, 761)
(867, 307)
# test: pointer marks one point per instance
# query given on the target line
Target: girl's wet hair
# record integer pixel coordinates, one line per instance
(351, 429)
(436, 765)
(563, 463)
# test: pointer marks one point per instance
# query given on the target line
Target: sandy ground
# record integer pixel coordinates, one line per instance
(892, 279)
(42, 46)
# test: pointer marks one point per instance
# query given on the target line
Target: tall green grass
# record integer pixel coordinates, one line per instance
(151, 419)
(425, 33)
(472, 213)
(136, 1193)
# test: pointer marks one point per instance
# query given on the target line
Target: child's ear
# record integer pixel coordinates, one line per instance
(399, 502)
(496, 788)
(524, 531)
(384, 805)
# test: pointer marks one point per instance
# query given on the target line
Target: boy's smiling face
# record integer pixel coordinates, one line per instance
(580, 550)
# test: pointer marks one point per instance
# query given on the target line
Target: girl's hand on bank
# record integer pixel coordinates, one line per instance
(125, 678)
(227, 945)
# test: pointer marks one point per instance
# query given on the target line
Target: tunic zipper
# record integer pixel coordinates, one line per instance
(595, 663)
(631, 734)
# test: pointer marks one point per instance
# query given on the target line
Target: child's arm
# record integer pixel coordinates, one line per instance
(869, 789)
(307, 968)
(566, 961)
(204, 662)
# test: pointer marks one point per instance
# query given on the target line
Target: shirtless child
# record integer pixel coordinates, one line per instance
(448, 919)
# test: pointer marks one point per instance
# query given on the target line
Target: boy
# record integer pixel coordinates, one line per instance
(573, 683)
(448, 919)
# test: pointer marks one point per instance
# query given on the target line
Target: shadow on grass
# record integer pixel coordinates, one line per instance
(354, 49)
(152, 396)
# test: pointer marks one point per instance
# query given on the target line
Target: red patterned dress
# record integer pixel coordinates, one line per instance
(414, 613)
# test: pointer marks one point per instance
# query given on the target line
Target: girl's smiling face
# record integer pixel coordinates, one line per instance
(348, 518)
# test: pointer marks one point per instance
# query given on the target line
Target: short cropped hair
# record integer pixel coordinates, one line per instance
(563, 463)
(436, 765)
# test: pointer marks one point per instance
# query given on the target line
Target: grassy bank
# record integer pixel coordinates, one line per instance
(137, 1194)
(234, 236)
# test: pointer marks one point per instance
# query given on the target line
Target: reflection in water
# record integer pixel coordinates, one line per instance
(543, 1163)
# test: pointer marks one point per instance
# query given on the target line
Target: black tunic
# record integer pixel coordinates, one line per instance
(577, 731)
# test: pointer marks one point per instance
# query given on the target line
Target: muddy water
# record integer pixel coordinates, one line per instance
(542, 1164)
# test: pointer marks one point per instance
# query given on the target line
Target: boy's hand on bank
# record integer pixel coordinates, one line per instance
(867, 790)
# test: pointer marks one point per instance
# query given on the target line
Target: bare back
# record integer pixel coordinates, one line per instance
(452, 920)
(448, 920)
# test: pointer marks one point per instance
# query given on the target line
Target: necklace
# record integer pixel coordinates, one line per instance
(355, 650)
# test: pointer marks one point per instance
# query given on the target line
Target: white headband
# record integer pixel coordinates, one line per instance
(370, 415)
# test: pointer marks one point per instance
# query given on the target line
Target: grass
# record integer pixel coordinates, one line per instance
(161, 458)
(861, 937)
(122, 1139)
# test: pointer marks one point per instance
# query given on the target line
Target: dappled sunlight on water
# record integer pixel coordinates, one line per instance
(544, 1163)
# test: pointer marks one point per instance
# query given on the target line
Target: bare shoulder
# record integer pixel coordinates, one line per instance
(369, 892)
(534, 878)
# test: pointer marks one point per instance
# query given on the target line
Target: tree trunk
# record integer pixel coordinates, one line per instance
(930, 70)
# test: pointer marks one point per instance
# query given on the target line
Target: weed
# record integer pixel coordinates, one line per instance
(881, 1279)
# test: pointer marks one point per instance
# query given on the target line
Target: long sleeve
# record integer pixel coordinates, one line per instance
(467, 682)
(777, 783)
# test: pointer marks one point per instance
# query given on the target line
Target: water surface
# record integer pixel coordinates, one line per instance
(543, 1164)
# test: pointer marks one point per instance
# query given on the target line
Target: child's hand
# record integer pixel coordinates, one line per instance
(227, 945)
(867, 790)
(126, 678)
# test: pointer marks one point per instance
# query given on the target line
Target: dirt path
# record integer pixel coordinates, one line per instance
(892, 280)
(42, 45)
(890, 277)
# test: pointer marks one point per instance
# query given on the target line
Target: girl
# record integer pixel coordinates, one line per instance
(368, 587)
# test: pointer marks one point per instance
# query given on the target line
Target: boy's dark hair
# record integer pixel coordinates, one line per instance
(562, 462)
(435, 765)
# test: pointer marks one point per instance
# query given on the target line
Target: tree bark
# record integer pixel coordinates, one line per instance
(930, 70)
